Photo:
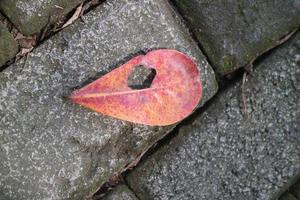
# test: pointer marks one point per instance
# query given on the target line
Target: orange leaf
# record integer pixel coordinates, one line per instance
(174, 93)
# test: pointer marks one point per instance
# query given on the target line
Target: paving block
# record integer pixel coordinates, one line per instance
(295, 189)
(288, 196)
(8, 46)
(30, 16)
(121, 192)
(53, 149)
(221, 154)
(233, 33)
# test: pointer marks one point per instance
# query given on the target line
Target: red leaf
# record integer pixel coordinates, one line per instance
(175, 91)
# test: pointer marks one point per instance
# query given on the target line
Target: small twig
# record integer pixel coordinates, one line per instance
(84, 8)
(285, 38)
(25, 62)
(45, 30)
(280, 41)
(82, 19)
(250, 69)
(59, 7)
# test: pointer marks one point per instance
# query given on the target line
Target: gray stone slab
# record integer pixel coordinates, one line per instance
(288, 196)
(30, 16)
(8, 46)
(233, 33)
(295, 189)
(121, 192)
(221, 154)
(53, 149)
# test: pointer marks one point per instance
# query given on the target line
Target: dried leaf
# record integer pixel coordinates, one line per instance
(24, 52)
(175, 91)
(19, 36)
(26, 42)
(75, 16)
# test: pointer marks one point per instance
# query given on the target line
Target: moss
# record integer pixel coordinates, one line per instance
(227, 65)
(8, 46)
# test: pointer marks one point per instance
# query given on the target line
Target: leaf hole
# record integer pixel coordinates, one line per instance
(141, 77)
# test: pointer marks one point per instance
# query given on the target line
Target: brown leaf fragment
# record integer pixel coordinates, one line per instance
(26, 42)
(24, 52)
(75, 16)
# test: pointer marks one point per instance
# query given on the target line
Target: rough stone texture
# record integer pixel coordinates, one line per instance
(30, 16)
(121, 192)
(233, 33)
(53, 149)
(220, 154)
(141, 77)
(8, 46)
